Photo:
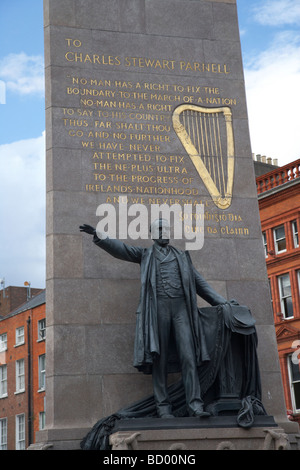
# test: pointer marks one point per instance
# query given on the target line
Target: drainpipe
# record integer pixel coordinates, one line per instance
(29, 420)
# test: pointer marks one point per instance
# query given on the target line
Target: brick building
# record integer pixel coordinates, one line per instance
(279, 203)
(22, 373)
(13, 296)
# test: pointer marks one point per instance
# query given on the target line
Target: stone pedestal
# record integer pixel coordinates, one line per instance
(184, 434)
(68, 438)
(215, 433)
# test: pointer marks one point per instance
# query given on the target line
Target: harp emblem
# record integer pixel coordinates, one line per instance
(207, 136)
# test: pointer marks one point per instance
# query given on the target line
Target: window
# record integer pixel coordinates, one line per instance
(295, 234)
(280, 240)
(294, 375)
(264, 237)
(20, 376)
(3, 381)
(42, 420)
(270, 289)
(42, 372)
(285, 295)
(3, 342)
(42, 329)
(20, 432)
(20, 338)
(3, 434)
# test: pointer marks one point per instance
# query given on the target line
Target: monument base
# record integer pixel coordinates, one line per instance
(59, 439)
(157, 434)
(214, 433)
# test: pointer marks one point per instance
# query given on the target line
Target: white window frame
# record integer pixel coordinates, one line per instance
(20, 376)
(20, 432)
(3, 381)
(283, 297)
(3, 433)
(292, 384)
(295, 233)
(42, 371)
(42, 417)
(3, 342)
(42, 329)
(276, 240)
(264, 239)
(270, 290)
(20, 335)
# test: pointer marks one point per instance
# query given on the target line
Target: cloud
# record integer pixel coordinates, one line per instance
(23, 74)
(273, 97)
(22, 212)
(277, 12)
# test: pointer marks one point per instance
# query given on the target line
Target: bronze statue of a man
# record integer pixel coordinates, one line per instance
(167, 313)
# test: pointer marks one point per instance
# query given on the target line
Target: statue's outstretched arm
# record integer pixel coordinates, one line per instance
(115, 248)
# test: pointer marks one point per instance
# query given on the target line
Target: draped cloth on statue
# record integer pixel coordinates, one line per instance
(229, 333)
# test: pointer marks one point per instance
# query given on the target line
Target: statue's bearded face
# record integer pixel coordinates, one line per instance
(160, 231)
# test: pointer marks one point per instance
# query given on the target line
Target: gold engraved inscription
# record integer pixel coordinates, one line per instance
(124, 129)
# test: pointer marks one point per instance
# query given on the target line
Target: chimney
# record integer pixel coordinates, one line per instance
(28, 284)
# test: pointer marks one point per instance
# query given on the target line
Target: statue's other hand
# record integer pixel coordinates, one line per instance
(87, 229)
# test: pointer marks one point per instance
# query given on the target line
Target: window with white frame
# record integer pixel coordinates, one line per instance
(295, 233)
(285, 293)
(3, 342)
(20, 336)
(20, 432)
(279, 239)
(42, 371)
(270, 290)
(20, 375)
(3, 434)
(42, 329)
(3, 381)
(294, 376)
(42, 416)
(264, 238)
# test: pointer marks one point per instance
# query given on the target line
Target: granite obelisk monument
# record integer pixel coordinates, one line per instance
(145, 105)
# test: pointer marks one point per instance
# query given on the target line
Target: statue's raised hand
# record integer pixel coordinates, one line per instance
(87, 229)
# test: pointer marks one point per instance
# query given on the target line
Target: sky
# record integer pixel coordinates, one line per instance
(270, 40)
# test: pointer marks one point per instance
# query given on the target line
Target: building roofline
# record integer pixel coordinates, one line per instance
(277, 189)
(35, 301)
(272, 181)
